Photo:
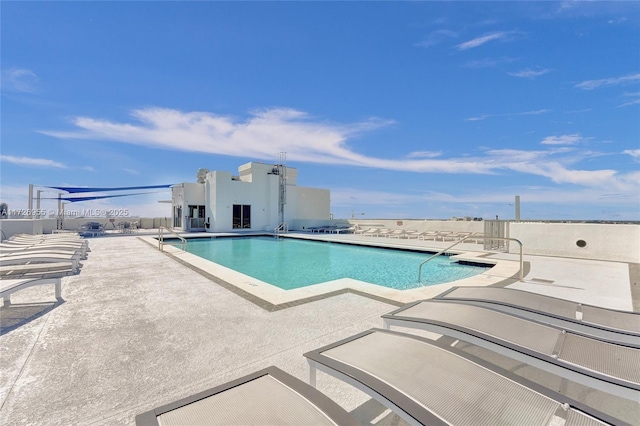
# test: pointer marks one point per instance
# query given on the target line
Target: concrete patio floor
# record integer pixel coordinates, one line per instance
(137, 329)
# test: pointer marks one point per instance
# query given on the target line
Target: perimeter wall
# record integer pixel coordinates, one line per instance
(597, 241)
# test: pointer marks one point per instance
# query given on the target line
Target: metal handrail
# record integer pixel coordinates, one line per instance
(284, 227)
(161, 237)
(520, 272)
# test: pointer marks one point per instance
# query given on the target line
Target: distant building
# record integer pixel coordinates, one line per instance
(260, 198)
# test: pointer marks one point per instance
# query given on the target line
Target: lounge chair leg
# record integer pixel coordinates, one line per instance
(385, 324)
(59, 289)
(311, 373)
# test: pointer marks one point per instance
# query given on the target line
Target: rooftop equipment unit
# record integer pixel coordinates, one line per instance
(202, 175)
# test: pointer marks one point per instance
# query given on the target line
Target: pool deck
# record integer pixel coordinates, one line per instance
(138, 329)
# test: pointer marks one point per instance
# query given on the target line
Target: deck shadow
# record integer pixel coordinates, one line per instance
(17, 315)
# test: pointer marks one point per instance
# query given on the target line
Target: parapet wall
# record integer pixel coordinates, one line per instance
(11, 227)
(597, 241)
(615, 242)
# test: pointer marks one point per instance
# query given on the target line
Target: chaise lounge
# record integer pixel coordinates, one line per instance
(28, 258)
(609, 324)
(426, 383)
(37, 270)
(266, 397)
(8, 286)
(599, 364)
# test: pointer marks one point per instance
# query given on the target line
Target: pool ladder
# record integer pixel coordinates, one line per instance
(161, 237)
(283, 228)
(520, 273)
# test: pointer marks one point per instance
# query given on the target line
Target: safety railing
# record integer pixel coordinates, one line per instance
(283, 228)
(520, 272)
(161, 230)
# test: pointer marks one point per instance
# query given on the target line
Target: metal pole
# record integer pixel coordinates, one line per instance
(58, 219)
(38, 203)
(30, 201)
(517, 208)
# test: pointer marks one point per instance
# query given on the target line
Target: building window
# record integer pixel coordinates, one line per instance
(196, 217)
(241, 216)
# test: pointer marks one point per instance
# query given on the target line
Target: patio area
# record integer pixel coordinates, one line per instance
(138, 329)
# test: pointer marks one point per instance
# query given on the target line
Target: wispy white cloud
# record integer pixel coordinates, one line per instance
(131, 171)
(635, 101)
(487, 62)
(562, 140)
(478, 117)
(613, 81)
(269, 131)
(424, 154)
(635, 153)
(19, 80)
(479, 41)
(534, 112)
(28, 161)
(485, 116)
(529, 73)
(436, 37)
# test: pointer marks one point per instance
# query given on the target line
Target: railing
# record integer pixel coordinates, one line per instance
(520, 272)
(283, 228)
(161, 237)
(196, 223)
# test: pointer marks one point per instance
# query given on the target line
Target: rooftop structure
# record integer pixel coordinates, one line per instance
(261, 197)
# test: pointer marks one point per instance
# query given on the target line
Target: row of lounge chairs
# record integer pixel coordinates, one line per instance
(459, 378)
(421, 235)
(31, 260)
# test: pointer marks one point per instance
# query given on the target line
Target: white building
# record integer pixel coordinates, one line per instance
(260, 198)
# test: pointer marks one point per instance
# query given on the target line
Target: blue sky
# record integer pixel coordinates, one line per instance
(402, 110)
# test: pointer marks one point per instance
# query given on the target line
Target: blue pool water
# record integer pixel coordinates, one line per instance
(290, 263)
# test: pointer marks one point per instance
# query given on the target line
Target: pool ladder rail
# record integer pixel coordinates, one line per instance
(161, 237)
(283, 228)
(520, 273)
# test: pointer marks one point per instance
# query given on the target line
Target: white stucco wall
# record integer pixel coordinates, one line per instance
(186, 194)
(12, 227)
(616, 242)
(307, 204)
(256, 185)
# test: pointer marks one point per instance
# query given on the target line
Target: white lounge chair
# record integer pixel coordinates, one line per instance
(430, 384)
(43, 249)
(599, 364)
(608, 324)
(396, 233)
(455, 237)
(10, 286)
(47, 257)
(49, 237)
(428, 235)
(37, 270)
(40, 239)
(371, 232)
(266, 397)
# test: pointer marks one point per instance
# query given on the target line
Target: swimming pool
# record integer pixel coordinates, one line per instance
(293, 263)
